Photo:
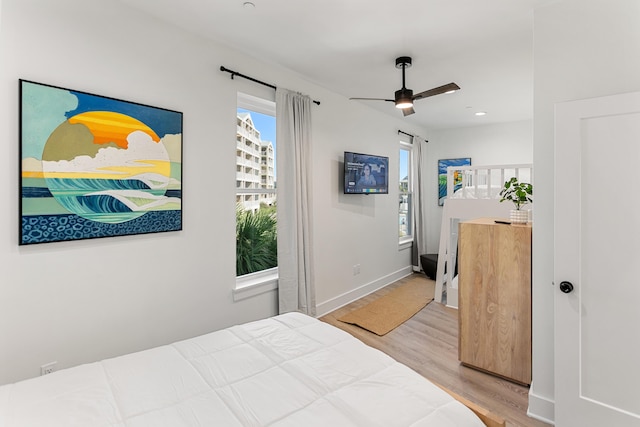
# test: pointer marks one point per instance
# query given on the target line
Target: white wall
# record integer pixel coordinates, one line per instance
(583, 49)
(76, 302)
(486, 145)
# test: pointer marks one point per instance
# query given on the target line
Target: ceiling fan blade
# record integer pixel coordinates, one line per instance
(436, 91)
(372, 99)
(408, 111)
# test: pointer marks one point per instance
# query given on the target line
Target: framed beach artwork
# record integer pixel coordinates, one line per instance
(93, 166)
(443, 164)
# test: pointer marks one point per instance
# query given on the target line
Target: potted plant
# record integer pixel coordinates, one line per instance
(519, 193)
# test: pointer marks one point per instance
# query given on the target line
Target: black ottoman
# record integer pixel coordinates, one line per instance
(429, 265)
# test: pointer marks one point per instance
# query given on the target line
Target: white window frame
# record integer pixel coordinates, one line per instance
(250, 285)
(405, 242)
(257, 283)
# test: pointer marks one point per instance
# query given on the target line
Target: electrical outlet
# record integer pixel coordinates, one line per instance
(48, 368)
(356, 269)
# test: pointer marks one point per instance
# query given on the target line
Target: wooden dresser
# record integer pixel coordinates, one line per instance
(494, 286)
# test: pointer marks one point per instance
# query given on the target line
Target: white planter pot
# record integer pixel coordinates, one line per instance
(519, 216)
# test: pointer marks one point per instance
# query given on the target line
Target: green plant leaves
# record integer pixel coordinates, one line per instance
(520, 193)
(256, 240)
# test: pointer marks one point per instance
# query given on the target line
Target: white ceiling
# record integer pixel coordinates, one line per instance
(350, 46)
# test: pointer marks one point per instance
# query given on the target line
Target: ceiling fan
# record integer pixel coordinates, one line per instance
(404, 97)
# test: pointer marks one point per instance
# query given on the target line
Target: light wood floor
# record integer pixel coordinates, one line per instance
(428, 343)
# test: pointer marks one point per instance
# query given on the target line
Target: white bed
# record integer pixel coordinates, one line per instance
(476, 195)
(289, 370)
(478, 192)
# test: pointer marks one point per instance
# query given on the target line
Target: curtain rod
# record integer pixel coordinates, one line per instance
(405, 133)
(408, 134)
(235, 73)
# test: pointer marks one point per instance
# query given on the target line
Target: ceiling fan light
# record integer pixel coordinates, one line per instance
(404, 104)
(404, 98)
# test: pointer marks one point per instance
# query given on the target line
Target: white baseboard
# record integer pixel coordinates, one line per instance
(541, 408)
(362, 291)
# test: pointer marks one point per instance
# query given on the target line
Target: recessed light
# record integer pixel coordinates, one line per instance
(481, 113)
(248, 5)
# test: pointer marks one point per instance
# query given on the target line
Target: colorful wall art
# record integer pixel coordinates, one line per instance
(93, 166)
(443, 164)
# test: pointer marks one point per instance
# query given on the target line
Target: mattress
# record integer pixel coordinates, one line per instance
(479, 192)
(289, 370)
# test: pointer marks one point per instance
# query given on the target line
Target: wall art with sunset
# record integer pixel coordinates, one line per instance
(93, 166)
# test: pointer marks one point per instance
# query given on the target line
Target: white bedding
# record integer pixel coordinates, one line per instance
(289, 370)
(479, 192)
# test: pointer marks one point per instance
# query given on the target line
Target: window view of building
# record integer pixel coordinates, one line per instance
(405, 191)
(256, 234)
(255, 165)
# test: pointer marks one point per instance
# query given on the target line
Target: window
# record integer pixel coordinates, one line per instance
(405, 192)
(256, 235)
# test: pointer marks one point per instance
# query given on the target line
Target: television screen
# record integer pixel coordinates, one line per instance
(365, 174)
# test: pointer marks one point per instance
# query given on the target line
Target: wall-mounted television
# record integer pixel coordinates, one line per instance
(365, 173)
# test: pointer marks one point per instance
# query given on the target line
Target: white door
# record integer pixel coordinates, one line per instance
(597, 252)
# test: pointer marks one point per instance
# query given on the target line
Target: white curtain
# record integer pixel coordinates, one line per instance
(296, 291)
(419, 199)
